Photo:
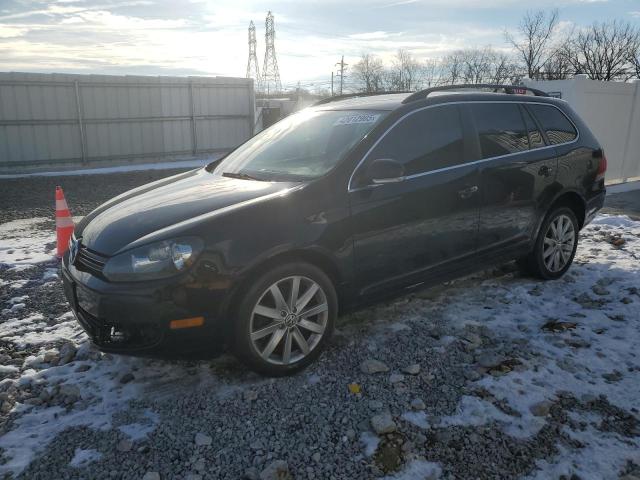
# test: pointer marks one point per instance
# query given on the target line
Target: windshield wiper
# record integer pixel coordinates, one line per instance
(242, 176)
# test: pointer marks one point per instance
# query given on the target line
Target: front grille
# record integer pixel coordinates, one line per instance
(89, 261)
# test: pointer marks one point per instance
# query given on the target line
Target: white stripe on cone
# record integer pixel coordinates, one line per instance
(62, 222)
(61, 205)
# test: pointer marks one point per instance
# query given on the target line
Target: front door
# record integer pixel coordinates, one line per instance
(429, 217)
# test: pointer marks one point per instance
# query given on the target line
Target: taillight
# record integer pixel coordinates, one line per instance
(602, 168)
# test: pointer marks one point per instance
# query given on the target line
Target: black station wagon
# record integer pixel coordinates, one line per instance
(333, 207)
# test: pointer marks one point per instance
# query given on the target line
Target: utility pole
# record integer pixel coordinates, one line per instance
(341, 74)
(332, 83)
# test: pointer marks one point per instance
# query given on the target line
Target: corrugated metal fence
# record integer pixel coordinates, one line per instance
(61, 120)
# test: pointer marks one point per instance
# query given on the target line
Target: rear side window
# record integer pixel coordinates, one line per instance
(426, 140)
(535, 137)
(501, 129)
(557, 126)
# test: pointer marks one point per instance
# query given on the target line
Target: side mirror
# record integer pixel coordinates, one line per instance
(385, 170)
(212, 165)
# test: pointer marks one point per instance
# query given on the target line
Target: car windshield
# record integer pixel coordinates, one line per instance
(302, 146)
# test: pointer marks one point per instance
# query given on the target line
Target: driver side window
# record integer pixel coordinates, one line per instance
(424, 141)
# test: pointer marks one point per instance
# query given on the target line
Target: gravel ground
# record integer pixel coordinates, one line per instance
(491, 376)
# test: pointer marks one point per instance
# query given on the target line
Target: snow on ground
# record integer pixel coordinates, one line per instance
(580, 334)
(23, 244)
(591, 348)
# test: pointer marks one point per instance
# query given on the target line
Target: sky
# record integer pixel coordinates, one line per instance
(209, 37)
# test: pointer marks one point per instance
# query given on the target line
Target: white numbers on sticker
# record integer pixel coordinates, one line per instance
(361, 118)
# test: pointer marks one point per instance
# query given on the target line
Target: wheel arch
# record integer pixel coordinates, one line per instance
(570, 198)
(314, 257)
(574, 201)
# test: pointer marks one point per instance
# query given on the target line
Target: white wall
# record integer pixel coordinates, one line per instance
(612, 112)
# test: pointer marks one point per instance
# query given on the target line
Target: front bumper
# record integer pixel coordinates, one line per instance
(134, 318)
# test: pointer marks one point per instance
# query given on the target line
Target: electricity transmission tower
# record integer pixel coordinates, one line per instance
(252, 63)
(270, 73)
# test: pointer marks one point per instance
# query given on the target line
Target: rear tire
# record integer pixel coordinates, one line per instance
(555, 246)
(285, 319)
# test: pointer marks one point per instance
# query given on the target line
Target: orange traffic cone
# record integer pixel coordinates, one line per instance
(64, 223)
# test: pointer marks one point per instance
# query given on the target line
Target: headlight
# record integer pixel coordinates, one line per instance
(153, 261)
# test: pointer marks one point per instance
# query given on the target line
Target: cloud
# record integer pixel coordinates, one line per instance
(373, 35)
(9, 31)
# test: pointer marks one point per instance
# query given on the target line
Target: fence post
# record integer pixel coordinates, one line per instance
(630, 129)
(194, 135)
(79, 109)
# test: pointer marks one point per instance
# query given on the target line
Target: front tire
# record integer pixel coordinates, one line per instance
(285, 319)
(555, 246)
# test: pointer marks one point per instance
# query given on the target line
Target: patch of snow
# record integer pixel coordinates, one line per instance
(417, 470)
(23, 243)
(18, 284)
(139, 430)
(419, 419)
(8, 369)
(50, 274)
(606, 339)
(602, 457)
(14, 300)
(370, 442)
(124, 168)
(83, 457)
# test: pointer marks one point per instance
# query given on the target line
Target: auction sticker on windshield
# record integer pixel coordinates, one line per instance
(360, 118)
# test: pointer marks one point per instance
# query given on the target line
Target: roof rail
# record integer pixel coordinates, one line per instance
(510, 89)
(336, 98)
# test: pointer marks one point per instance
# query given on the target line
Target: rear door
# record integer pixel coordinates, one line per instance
(403, 229)
(516, 170)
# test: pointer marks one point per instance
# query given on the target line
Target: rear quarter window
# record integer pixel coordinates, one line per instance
(555, 123)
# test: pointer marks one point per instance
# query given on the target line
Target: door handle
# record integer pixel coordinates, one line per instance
(545, 171)
(467, 192)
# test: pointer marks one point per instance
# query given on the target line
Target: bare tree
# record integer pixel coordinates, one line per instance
(559, 66)
(635, 60)
(452, 68)
(431, 73)
(405, 73)
(604, 50)
(368, 72)
(534, 39)
(503, 70)
(479, 65)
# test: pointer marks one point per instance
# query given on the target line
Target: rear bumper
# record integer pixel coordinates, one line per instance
(594, 205)
(135, 318)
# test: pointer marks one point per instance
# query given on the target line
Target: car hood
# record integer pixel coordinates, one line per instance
(123, 221)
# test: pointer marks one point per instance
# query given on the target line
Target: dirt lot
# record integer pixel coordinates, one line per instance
(492, 376)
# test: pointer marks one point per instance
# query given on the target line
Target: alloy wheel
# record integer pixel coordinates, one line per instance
(559, 241)
(289, 320)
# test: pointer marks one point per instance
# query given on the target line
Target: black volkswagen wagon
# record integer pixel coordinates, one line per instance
(338, 205)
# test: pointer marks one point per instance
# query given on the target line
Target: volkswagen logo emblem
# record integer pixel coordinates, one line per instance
(73, 250)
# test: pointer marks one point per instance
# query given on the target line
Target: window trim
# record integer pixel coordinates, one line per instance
(474, 162)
